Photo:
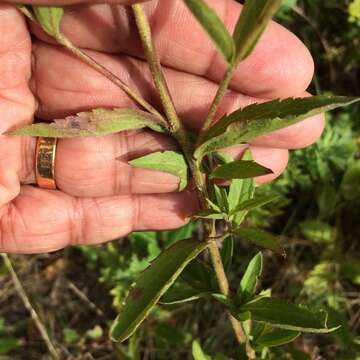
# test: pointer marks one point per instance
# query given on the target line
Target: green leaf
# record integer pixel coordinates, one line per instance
(259, 119)
(209, 214)
(49, 17)
(198, 353)
(152, 284)
(283, 315)
(250, 278)
(260, 238)
(254, 203)
(97, 122)
(221, 198)
(254, 17)
(227, 252)
(95, 333)
(200, 276)
(182, 295)
(211, 23)
(8, 343)
(171, 162)
(240, 190)
(277, 337)
(240, 169)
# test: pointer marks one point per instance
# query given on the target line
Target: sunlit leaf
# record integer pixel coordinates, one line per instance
(240, 169)
(171, 162)
(277, 337)
(198, 353)
(211, 23)
(279, 313)
(98, 122)
(152, 284)
(49, 17)
(261, 238)
(254, 203)
(254, 17)
(250, 278)
(259, 119)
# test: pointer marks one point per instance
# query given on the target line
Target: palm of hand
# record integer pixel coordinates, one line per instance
(100, 196)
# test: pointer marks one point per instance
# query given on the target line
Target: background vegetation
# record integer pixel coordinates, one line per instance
(76, 291)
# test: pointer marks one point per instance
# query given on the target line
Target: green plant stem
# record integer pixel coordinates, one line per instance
(25, 299)
(109, 75)
(175, 126)
(217, 100)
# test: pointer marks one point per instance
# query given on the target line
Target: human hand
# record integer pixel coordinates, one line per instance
(100, 197)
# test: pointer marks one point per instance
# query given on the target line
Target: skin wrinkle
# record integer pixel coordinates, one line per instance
(135, 210)
(77, 222)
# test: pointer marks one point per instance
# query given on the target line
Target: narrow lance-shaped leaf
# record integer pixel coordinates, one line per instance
(279, 313)
(254, 17)
(240, 169)
(254, 203)
(240, 190)
(259, 119)
(152, 284)
(227, 252)
(182, 294)
(209, 214)
(277, 337)
(261, 238)
(249, 280)
(171, 162)
(214, 27)
(97, 122)
(49, 17)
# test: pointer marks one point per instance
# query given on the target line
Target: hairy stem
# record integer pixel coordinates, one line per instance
(216, 102)
(109, 75)
(175, 125)
(34, 315)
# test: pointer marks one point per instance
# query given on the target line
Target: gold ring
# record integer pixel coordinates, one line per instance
(45, 162)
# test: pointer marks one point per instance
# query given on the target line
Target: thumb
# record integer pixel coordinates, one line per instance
(71, 2)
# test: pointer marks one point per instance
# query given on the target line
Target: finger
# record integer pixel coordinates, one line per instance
(17, 103)
(64, 85)
(280, 66)
(98, 166)
(42, 221)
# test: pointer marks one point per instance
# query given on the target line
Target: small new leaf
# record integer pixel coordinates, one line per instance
(171, 162)
(209, 214)
(261, 238)
(240, 169)
(49, 17)
(97, 122)
(152, 284)
(211, 23)
(254, 17)
(259, 119)
(182, 295)
(249, 280)
(280, 314)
